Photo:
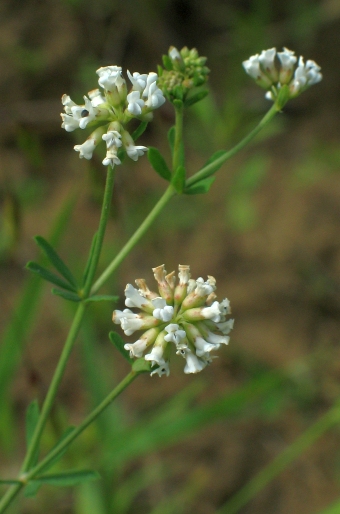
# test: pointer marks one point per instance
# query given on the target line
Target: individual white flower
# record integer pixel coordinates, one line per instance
(204, 288)
(111, 158)
(156, 355)
(174, 53)
(162, 311)
(88, 113)
(212, 312)
(202, 346)
(96, 97)
(135, 299)
(136, 349)
(112, 138)
(175, 334)
(150, 79)
(163, 369)
(226, 326)
(135, 103)
(135, 151)
(130, 325)
(193, 363)
(138, 80)
(86, 149)
(155, 97)
(267, 60)
(110, 77)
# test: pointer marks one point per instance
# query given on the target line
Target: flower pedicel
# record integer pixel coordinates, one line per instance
(186, 316)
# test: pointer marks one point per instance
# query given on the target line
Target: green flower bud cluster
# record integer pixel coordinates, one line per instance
(183, 72)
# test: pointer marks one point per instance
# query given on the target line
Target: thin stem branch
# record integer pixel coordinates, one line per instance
(246, 493)
(178, 144)
(101, 229)
(142, 229)
(210, 168)
(85, 423)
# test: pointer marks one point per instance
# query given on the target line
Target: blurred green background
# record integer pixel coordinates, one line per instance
(268, 231)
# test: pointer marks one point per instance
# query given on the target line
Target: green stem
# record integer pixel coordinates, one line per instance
(178, 144)
(244, 495)
(209, 169)
(101, 229)
(87, 421)
(54, 386)
(26, 476)
(69, 343)
(169, 193)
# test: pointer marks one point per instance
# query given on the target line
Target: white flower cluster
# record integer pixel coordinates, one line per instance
(110, 110)
(186, 315)
(272, 70)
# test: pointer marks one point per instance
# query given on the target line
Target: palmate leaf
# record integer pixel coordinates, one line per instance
(49, 276)
(56, 261)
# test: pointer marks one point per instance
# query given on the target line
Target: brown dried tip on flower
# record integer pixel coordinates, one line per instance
(186, 315)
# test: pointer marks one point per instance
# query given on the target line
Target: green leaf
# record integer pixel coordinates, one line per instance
(167, 62)
(32, 417)
(89, 260)
(48, 275)
(102, 298)
(9, 482)
(57, 262)
(31, 489)
(158, 163)
(68, 478)
(196, 98)
(178, 180)
(200, 187)
(139, 130)
(214, 158)
(72, 297)
(119, 344)
(141, 366)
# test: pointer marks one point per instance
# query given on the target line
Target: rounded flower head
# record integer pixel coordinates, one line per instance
(185, 319)
(274, 71)
(111, 109)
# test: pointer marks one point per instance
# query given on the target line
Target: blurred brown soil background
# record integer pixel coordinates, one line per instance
(274, 248)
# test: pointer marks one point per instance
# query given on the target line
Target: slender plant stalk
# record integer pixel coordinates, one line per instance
(246, 493)
(207, 170)
(87, 421)
(24, 478)
(179, 111)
